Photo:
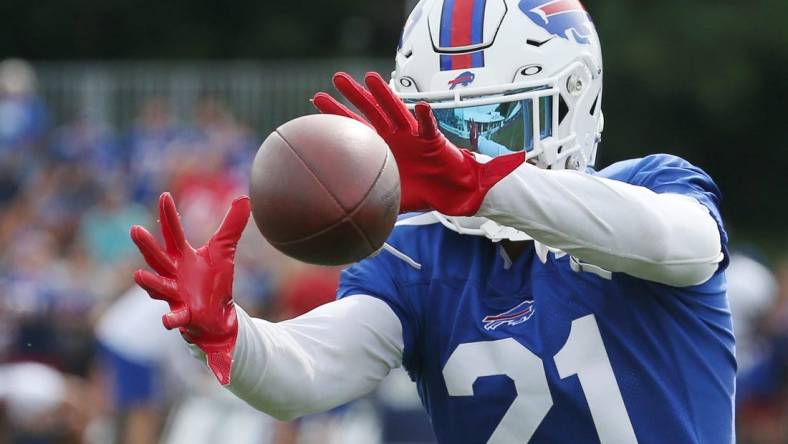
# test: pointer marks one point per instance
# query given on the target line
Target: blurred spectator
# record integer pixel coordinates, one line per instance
(219, 131)
(306, 288)
(24, 117)
(752, 290)
(90, 144)
(762, 392)
(29, 287)
(137, 368)
(402, 415)
(203, 178)
(55, 200)
(24, 123)
(104, 230)
(777, 321)
(41, 405)
(147, 369)
(154, 130)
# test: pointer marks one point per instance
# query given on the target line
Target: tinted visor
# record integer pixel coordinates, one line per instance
(497, 129)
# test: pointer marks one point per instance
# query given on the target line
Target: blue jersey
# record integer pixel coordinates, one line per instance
(545, 352)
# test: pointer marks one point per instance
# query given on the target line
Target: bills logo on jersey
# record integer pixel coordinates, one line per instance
(515, 316)
(463, 79)
(563, 18)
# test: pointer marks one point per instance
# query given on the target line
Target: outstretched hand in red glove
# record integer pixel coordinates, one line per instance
(434, 173)
(197, 284)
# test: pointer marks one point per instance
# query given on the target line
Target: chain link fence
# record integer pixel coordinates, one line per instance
(261, 94)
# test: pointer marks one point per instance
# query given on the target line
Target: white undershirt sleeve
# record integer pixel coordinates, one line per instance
(666, 238)
(325, 358)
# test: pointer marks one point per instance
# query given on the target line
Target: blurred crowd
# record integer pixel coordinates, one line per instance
(759, 302)
(83, 356)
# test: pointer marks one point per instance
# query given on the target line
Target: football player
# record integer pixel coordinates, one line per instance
(531, 298)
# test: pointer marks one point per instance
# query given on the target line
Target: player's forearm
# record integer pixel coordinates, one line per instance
(315, 362)
(664, 238)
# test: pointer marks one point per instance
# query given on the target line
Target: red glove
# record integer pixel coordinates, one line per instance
(197, 284)
(435, 174)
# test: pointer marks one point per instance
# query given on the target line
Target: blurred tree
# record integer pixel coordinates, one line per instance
(705, 80)
(123, 29)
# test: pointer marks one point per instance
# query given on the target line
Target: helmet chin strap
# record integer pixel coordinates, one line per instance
(481, 226)
(494, 232)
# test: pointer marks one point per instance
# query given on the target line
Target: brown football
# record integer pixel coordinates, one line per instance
(325, 190)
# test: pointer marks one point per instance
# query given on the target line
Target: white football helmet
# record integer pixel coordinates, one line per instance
(507, 75)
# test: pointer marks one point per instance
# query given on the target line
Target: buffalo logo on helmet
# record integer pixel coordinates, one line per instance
(563, 18)
(463, 79)
(517, 315)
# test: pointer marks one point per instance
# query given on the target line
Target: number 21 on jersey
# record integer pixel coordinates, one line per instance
(583, 355)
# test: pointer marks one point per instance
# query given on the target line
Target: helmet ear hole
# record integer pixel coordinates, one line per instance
(563, 109)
